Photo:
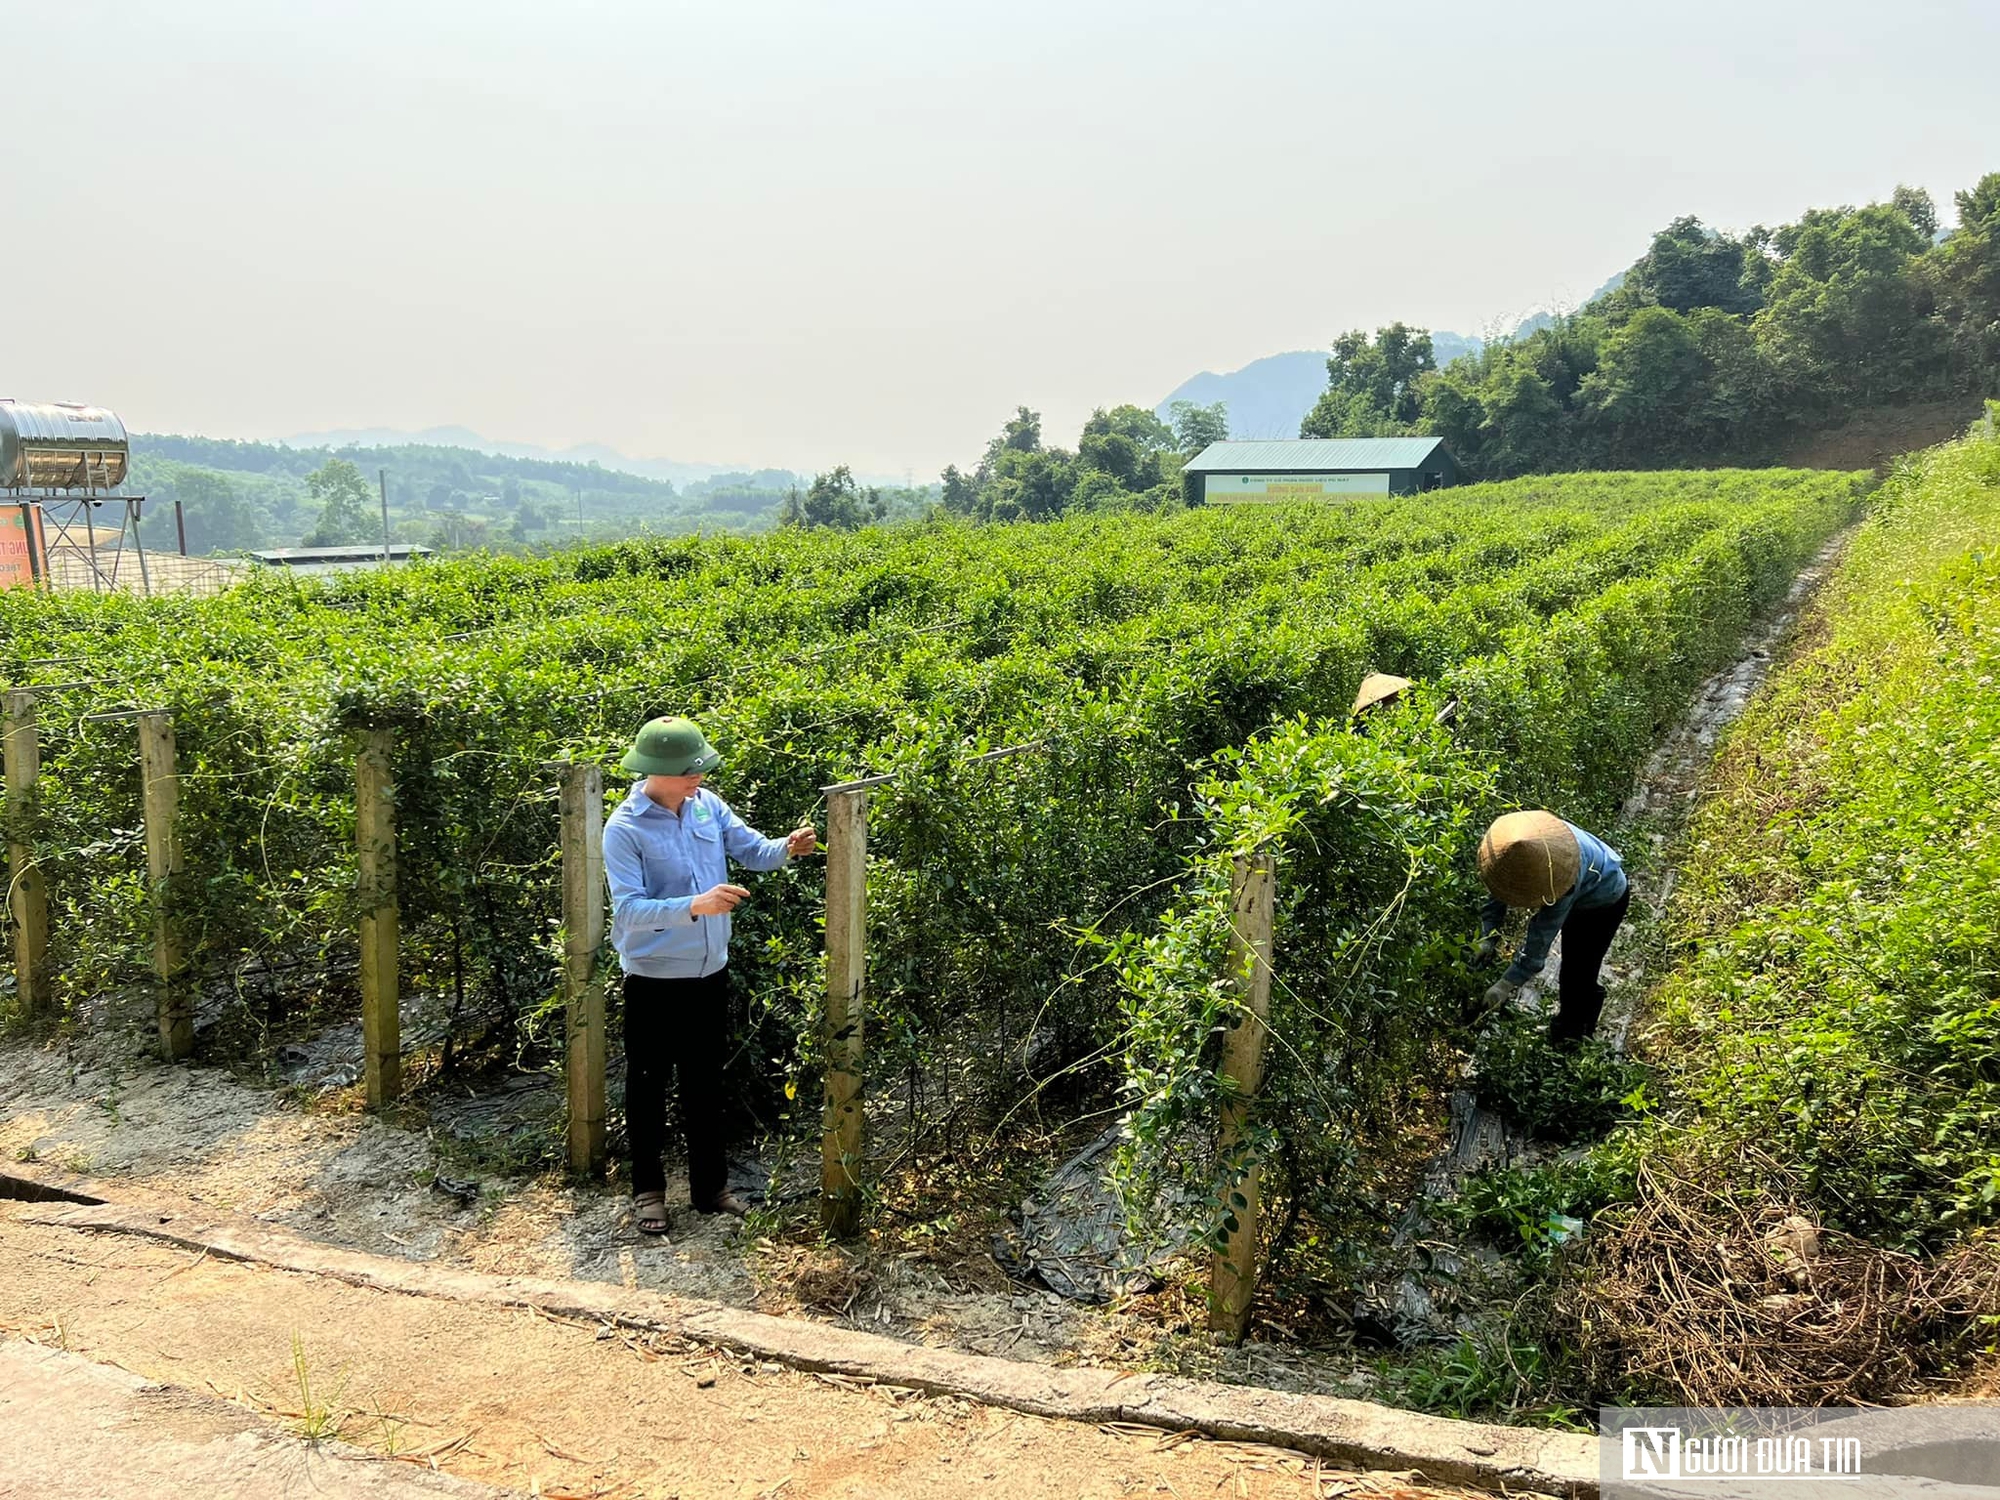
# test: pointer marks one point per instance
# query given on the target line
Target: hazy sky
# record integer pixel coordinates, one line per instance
(807, 233)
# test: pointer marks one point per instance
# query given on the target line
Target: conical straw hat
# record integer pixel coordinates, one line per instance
(1529, 858)
(1375, 688)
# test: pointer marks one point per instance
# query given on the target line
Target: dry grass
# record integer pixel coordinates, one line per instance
(1713, 1294)
(823, 1278)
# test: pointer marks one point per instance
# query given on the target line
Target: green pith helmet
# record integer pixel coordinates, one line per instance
(670, 747)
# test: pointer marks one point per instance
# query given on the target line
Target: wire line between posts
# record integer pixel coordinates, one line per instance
(862, 783)
(63, 687)
(842, 1144)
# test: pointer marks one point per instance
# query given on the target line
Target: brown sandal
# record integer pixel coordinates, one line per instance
(728, 1203)
(649, 1211)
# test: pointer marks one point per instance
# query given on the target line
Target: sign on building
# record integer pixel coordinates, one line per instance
(1227, 489)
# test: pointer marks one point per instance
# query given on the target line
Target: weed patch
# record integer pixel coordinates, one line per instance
(1559, 1094)
(1827, 1051)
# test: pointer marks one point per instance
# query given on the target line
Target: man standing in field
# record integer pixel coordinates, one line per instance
(1576, 885)
(667, 849)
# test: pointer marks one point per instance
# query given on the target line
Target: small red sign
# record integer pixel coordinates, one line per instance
(17, 569)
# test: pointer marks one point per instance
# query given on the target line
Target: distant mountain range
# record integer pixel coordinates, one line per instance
(464, 437)
(1269, 397)
(672, 470)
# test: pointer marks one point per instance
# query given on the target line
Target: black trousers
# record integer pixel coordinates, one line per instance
(1579, 994)
(680, 1026)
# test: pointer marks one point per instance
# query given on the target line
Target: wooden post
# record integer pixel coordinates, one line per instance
(375, 846)
(846, 986)
(27, 887)
(161, 787)
(583, 928)
(1233, 1279)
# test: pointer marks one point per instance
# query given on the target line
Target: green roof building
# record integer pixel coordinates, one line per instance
(1231, 473)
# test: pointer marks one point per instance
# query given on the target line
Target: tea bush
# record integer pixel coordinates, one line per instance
(1556, 1094)
(1567, 616)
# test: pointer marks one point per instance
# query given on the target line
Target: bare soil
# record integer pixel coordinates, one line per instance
(98, 1106)
(556, 1408)
(1877, 437)
(69, 1426)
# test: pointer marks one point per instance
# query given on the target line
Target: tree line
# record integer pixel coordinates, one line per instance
(1711, 346)
(1126, 459)
(239, 496)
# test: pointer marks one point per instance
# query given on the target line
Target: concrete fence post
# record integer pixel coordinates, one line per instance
(160, 788)
(27, 887)
(375, 849)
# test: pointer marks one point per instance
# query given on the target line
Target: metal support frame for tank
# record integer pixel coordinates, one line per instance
(30, 515)
(61, 515)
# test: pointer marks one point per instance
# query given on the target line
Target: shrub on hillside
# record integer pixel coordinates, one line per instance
(1838, 1003)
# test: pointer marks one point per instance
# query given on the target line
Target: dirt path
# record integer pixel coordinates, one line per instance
(71, 1427)
(555, 1408)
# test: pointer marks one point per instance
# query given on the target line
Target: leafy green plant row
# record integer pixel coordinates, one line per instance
(1373, 834)
(1564, 614)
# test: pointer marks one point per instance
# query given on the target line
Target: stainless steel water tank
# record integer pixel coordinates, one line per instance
(53, 445)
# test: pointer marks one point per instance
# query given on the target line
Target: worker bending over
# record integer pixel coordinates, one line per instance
(1576, 885)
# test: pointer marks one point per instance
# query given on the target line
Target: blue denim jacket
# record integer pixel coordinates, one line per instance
(657, 862)
(1600, 881)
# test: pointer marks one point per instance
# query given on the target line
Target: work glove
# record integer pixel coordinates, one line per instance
(1488, 950)
(1501, 993)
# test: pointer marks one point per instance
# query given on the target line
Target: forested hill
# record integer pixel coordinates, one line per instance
(239, 495)
(468, 470)
(1715, 348)
(1269, 397)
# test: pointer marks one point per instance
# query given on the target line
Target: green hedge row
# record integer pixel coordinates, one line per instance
(1565, 613)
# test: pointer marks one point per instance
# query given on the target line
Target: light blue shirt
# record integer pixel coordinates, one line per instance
(1600, 881)
(657, 862)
